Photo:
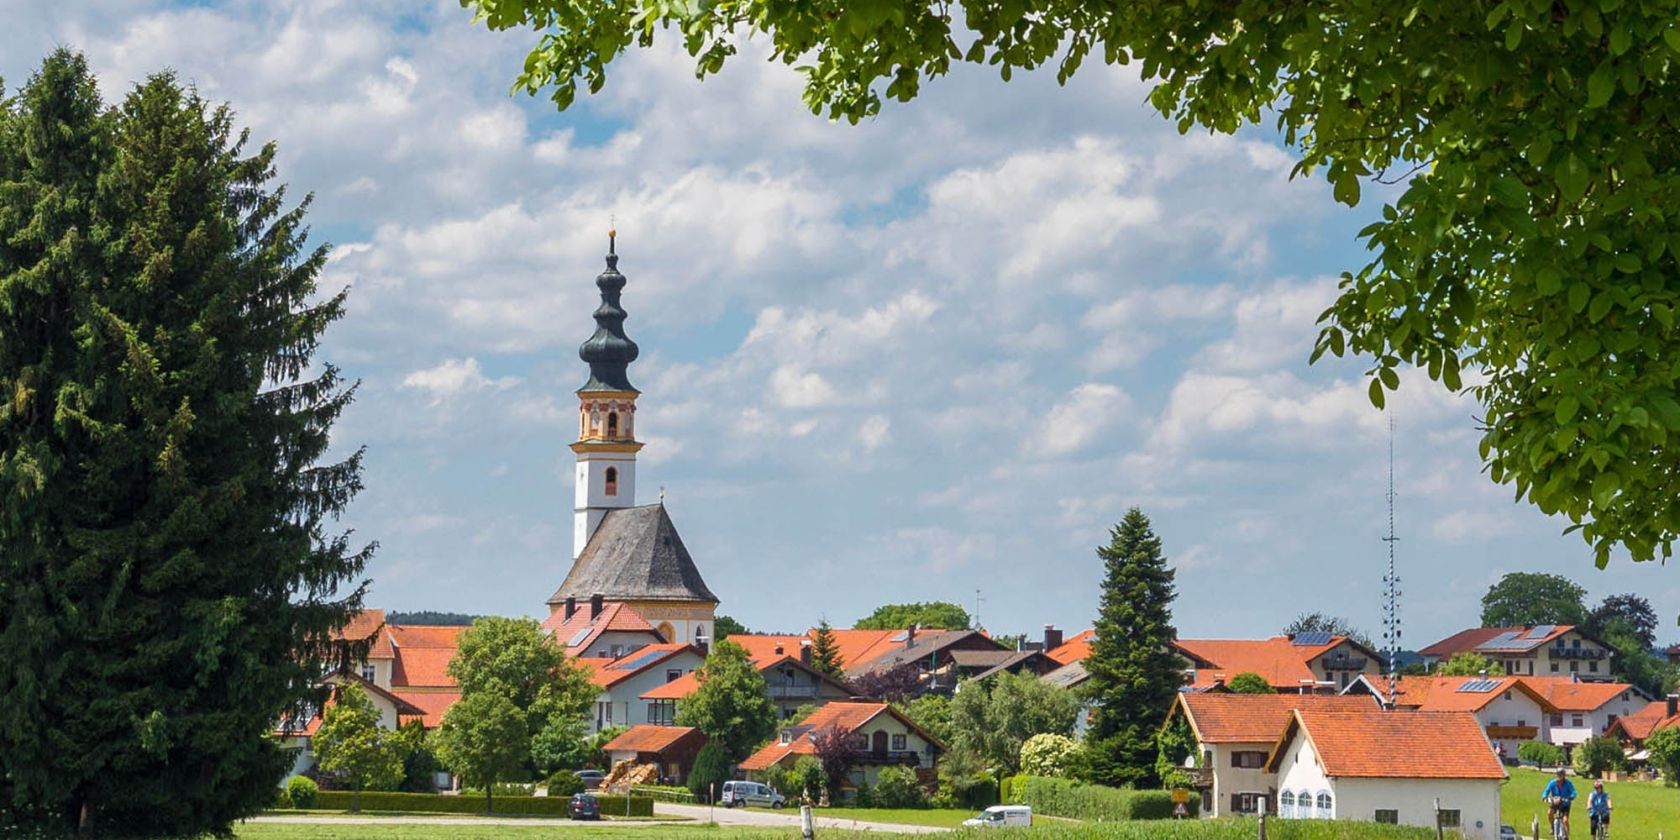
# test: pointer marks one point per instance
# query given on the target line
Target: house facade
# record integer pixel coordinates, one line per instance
(881, 737)
(1312, 661)
(1233, 735)
(1390, 767)
(792, 682)
(623, 682)
(1583, 710)
(1543, 650)
(1509, 710)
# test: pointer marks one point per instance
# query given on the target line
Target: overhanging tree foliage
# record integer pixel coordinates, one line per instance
(1535, 240)
(167, 564)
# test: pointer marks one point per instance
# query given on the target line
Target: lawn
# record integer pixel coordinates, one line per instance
(1641, 809)
(944, 818)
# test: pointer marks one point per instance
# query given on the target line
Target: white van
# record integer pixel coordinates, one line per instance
(999, 816)
(736, 794)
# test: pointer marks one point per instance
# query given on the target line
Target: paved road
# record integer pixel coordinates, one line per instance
(786, 819)
(551, 822)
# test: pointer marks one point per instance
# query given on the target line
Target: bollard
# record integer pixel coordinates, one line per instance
(1440, 833)
(807, 825)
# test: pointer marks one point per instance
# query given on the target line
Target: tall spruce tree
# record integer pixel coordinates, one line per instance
(1134, 672)
(169, 582)
(825, 651)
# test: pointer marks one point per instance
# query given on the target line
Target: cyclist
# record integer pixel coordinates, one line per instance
(1598, 810)
(1559, 794)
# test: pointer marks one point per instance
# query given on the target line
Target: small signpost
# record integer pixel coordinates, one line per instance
(1180, 798)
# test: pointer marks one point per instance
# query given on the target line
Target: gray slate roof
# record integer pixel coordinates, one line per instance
(635, 555)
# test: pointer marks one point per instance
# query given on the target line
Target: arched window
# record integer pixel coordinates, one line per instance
(1324, 803)
(612, 424)
(1286, 804)
(612, 481)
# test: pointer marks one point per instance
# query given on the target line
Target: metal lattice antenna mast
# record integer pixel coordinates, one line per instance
(975, 618)
(1391, 584)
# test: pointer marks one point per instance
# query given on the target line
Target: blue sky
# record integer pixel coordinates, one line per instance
(937, 352)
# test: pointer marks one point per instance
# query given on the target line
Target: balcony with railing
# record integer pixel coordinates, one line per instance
(1344, 662)
(910, 757)
(793, 692)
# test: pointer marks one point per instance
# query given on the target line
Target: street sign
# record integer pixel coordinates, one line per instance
(1180, 812)
(1180, 796)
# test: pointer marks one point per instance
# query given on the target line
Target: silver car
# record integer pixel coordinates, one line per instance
(738, 794)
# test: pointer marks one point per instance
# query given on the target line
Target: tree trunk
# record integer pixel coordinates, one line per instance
(356, 799)
(487, 795)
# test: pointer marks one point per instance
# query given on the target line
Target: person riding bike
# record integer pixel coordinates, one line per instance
(1560, 794)
(1598, 810)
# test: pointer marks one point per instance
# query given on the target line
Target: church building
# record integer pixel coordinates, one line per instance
(623, 552)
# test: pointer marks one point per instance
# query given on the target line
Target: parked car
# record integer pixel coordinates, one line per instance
(1508, 832)
(737, 794)
(584, 807)
(999, 816)
(591, 778)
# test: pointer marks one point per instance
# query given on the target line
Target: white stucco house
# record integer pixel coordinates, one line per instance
(1510, 709)
(1403, 767)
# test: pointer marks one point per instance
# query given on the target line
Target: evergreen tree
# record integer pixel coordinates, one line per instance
(732, 703)
(825, 651)
(1134, 672)
(167, 572)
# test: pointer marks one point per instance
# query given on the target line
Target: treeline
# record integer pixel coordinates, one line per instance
(432, 618)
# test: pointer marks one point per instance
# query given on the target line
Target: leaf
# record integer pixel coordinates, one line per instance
(1389, 378)
(1605, 487)
(1579, 294)
(1571, 175)
(1510, 191)
(1600, 307)
(1672, 36)
(1620, 40)
(1540, 149)
(1346, 190)
(1375, 392)
(1566, 408)
(1628, 263)
(1667, 409)
(1600, 86)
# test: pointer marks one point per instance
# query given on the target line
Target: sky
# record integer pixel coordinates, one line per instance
(936, 355)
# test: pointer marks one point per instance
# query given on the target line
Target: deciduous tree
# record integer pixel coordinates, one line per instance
(1326, 623)
(1249, 682)
(1634, 610)
(514, 658)
(1134, 673)
(170, 571)
(895, 685)
(484, 739)
(1663, 746)
(1468, 664)
(993, 717)
(943, 615)
(731, 703)
(1531, 242)
(352, 746)
(1527, 598)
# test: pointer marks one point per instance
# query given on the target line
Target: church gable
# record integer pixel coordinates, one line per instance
(635, 555)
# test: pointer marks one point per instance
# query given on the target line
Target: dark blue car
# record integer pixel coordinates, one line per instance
(584, 807)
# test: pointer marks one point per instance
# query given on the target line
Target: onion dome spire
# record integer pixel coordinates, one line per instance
(609, 351)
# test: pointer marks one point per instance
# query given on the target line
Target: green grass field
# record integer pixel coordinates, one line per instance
(1641, 809)
(944, 818)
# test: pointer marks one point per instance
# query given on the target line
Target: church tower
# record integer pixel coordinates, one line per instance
(606, 446)
(622, 552)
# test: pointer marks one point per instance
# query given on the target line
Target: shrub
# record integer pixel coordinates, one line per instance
(1077, 800)
(302, 792)
(665, 793)
(805, 780)
(1048, 754)
(640, 806)
(1540, 753)
(975, 792)
(1664, 747)
(897, 787)
(564, 783)
(711, 766)
(1597, 756)
(282, 798)
(1249, 682)
(501, 789)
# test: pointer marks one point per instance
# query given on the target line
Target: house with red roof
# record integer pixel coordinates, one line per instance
(1233, 734)
(792, 680)
(1311, 661)
(670, 748)
(941, 657)
(1633, 729)
(1510, 710)
(623, 681)
(600, 629)
(1584, 710)
(1536, 650)
(1399, 767)
(881, 736)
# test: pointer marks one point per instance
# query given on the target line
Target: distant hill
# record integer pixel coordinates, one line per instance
(431, 618)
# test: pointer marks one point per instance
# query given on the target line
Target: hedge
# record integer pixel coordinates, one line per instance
(1222, 829)
(550, 806)
(1080, 801)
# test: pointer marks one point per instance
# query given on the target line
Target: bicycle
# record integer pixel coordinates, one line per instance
(1600, 827)
(1560, 820)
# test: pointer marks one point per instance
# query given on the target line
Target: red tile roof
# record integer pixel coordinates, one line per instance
(1393, 744)
(432, 704)
(825, 719)
(1469, 640)
(1442, 694)
(1074, 649)
(1255, 718)
(1282, 663)
(645, 738)
(608, 673)
(423, 655)
(1570, 696)
(685, 685)
(368, 624)
(615, 616)
(1639, 725)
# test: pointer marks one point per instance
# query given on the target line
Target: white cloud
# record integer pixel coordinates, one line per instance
(797, 389)
(1473, 525)
(454, 378)
(874, 432)
(1075, 422)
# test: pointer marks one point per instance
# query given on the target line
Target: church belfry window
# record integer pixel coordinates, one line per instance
(612, 424)
(612, 481)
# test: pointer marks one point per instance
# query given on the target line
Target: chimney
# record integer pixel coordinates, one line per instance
(594, 606)
(571, 607)
(910, 636)
(1673, 705)
(779, 650)
(805, 657)
(1052, 637)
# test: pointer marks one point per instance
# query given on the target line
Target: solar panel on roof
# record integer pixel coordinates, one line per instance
(1541, 631)
(899, 636)
(1503, 641)
(578, 637)
(638, 661)
(1478, 686)
(1312, 637)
